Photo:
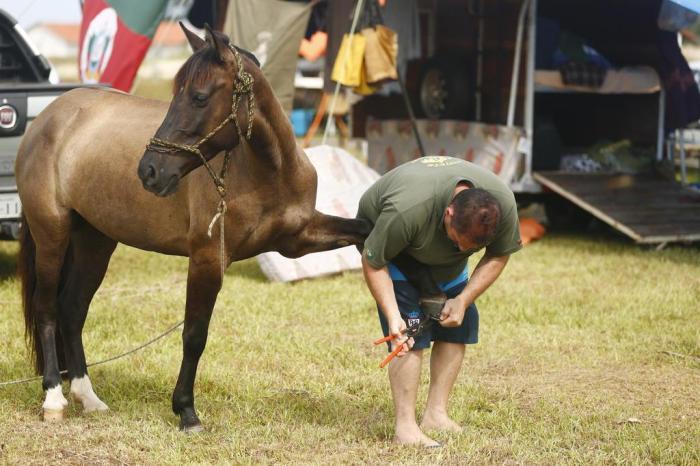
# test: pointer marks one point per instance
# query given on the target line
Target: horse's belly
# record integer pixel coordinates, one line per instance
(123, 224)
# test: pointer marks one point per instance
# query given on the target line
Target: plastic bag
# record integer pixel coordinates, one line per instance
(349, 61)
(380, 54)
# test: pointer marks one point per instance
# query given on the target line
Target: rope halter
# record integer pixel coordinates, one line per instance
(242, 87)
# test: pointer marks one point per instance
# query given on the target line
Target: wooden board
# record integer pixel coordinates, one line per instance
(647, 208)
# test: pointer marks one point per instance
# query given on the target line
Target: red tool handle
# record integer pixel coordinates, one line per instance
(390, 337)
(384, 340)
(391, 356)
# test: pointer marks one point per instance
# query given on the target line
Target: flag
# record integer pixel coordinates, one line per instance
(114, 38)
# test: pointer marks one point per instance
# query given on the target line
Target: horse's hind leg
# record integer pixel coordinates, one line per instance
(50, 235)
(86, 263)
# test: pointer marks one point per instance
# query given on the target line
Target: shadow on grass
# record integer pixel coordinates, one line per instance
(249, 269)
(614, 243)
(371, 419)
(8, 264)
(125, 390)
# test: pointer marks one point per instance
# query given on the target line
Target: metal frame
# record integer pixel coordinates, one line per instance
(528, 9)
(526, 184)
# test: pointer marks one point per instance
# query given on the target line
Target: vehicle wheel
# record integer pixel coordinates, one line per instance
(445, 88)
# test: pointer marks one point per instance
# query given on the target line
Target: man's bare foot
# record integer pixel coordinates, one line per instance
(439, 422)
(414, 436)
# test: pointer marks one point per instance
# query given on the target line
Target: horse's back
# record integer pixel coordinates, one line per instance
(81, 154)
(84, 117)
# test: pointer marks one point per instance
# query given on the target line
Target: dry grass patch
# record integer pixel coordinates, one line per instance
(575, 366)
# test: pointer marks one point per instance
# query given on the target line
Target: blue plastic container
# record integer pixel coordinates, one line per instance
(301, 119)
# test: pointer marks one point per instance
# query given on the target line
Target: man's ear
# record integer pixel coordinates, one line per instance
(195, 41)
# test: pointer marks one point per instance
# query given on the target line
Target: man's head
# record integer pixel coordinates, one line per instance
(471, 219)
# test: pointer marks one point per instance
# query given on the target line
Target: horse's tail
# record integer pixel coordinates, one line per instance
(26, 269)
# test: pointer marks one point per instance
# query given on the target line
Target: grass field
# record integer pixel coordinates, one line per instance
(589, 354)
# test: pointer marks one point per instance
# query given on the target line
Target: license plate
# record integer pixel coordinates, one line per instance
(10, 207)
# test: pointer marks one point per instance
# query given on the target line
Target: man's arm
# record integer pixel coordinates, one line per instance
(382, 289)
(486, 272)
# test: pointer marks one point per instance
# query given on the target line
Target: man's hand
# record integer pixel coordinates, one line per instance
(453, 312)
(396, 328)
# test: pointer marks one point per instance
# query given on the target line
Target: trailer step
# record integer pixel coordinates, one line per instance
(647, 208)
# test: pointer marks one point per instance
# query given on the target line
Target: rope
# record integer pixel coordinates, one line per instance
(242, 87)
(113, 358)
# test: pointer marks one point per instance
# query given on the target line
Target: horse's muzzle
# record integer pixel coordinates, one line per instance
(155, 180)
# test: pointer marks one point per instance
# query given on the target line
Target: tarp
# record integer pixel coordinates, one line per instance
(693, 5)
(272, 30)
(494, 147)
(342, 180)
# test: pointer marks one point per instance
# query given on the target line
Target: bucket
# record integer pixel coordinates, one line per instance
(301, 119)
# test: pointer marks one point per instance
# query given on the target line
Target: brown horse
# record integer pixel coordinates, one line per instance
(77, 179)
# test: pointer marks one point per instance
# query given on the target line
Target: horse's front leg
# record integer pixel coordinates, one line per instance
(203, 284)
(324, 232)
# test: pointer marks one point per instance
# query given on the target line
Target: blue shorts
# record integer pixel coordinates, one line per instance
(407, 298)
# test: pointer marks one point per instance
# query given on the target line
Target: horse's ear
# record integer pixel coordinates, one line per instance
(195, 41)
(214, 42)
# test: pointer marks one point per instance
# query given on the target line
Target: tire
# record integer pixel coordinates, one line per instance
(445, 88)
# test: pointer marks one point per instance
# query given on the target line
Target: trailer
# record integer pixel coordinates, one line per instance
(642, 204)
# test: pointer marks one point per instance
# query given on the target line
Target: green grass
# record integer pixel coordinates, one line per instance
(572, 346)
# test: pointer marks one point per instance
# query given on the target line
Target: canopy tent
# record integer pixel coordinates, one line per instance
(693, 5)
(342, 180)
(272, 30)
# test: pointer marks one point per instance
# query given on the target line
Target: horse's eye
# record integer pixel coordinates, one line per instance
(200, 98)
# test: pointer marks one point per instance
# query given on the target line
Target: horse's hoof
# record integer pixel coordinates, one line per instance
(103, 408)
(189, 422)
(53, 415)
(90, 405)
(193, 429)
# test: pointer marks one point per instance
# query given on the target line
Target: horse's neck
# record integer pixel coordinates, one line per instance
(272, 138)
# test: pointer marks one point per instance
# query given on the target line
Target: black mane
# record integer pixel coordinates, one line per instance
(197, 68)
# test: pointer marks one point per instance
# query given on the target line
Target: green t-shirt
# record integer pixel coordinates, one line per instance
(407, 206)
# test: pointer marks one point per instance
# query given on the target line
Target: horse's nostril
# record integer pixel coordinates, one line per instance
(151, 172)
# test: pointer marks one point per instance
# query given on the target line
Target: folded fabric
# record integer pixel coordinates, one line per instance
(381, 50)
(582, 74)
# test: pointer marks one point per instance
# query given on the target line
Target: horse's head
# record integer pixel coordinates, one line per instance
(212, 108)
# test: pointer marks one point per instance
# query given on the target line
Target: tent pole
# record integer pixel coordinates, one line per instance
(331, 110)
(479, 61)
(409, 109)
(530, 88)
(661, 124)
(516, 64)
(407, 102)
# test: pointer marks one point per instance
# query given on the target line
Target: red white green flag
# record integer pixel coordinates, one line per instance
(114, 38)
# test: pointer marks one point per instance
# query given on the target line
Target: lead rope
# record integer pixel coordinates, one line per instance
(242, 86)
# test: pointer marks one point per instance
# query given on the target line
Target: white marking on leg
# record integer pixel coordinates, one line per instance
(55, 399)
(82, 391)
